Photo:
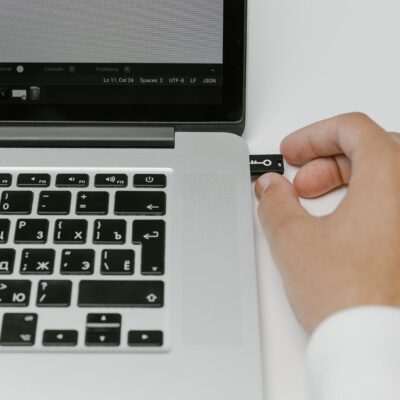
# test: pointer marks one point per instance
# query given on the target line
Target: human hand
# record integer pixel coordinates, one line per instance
(351, 257)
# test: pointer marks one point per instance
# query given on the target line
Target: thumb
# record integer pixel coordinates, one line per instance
(280, 211)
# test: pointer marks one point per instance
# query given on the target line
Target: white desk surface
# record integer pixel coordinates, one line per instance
(308, 60)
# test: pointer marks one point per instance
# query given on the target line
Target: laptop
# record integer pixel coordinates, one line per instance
(127, 266)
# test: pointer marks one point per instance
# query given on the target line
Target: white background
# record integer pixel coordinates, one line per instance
(308, 60)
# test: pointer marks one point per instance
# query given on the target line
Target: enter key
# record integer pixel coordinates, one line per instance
(151, 235)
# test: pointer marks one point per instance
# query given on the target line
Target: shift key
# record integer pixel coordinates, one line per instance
(121, 294)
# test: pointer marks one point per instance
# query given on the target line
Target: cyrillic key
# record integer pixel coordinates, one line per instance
(31, 231)
(72, 231)
(77, 262)
(14, 293)
(7, 257)
(117, 262)
(121, 294)
(109, 231)
(37, 261)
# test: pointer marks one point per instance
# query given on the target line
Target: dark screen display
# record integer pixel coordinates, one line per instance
(111, 52)
(142, 62)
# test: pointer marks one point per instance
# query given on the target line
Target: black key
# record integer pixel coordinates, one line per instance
(72, 180)
(109, 231)
(33, 180)
(145, 338)
(95, 203)
(103, 330)
(14, 293)
(117, 262)
(111, 180)
(5, 93)
(104, 337)
(5, 180)
(16, 202)
(60, 338)
(31, 231)
(54, 294)
(71, 231)
(77, 262)
(103, 320)
(151, 235)
(7, 258)
(54, 203)
(121, 294)
(150, 181)
(4, 230)
(18, 330)
(37, 262)
(140, 203)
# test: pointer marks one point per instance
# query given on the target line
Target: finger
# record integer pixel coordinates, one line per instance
(395, 136)
(349, 134)
(322, 175)
(279, 210)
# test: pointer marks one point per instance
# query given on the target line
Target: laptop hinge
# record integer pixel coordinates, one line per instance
(75, 136)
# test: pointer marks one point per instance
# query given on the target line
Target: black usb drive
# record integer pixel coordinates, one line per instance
(263, 163)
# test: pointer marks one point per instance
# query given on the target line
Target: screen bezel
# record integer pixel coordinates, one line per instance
(228, 116)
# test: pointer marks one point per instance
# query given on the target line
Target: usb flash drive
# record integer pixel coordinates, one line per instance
(262, 164)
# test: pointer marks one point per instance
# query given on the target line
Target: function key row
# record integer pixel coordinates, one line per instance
(82, 180)
(87, 203)
(101, 330)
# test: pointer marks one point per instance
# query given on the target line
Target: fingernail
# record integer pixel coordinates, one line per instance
(264, 182)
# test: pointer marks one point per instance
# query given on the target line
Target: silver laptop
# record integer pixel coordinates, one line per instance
(126, 241)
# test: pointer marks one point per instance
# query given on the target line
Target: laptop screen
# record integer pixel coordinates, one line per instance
(143, 53)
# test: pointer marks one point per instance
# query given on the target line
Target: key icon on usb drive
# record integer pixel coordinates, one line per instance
(262, 164)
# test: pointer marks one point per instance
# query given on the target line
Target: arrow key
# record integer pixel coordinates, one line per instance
(145, 338)
(103, 337)
(60, 338)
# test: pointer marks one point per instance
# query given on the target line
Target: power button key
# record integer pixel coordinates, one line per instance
(150, 181)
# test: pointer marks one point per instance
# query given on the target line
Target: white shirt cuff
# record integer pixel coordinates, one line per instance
(355, 355)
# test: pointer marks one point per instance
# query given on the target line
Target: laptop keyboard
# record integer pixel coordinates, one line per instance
(83, 260)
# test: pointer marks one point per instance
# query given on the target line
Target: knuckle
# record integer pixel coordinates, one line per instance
(358, 116)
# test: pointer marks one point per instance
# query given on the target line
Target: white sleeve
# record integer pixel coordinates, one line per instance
(355, 355)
